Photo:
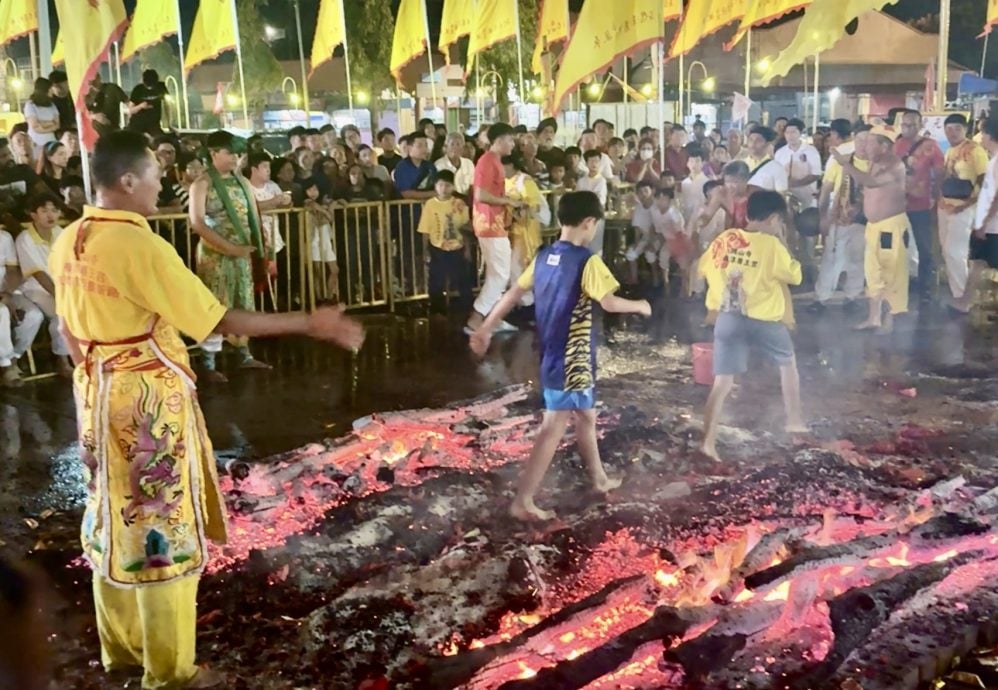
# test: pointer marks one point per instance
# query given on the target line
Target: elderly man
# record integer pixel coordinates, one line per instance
(463, 168)
(924, 162)
(139, 421)
(887, 227)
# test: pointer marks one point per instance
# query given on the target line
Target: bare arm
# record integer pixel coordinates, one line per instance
(198, 199)
(618, 305)
(45, 280)
(881, 178)
(75, 351)
(11, 280)
(803, 181)
(483, 196)
(271, 204)
(327, 323)
(137, 107)
(709, 211)
(43, 126)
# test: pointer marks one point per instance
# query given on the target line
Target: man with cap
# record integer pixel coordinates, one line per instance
(885, 260)
(546, 150)
(124, 297)
(966, 165)
(489, 219)
(62, 100)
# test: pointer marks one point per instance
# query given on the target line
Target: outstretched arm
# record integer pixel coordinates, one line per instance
(483, 336)
(327, 323)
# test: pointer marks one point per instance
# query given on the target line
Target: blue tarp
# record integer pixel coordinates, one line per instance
(971, 83)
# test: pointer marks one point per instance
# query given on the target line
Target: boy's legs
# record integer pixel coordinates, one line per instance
(545, 444)
(585, 438)
(774, 340)
(437, 280)
(730, 359)
(790, 384)
(715, 403)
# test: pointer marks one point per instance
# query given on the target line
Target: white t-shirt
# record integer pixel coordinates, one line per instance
(271, 228)
(605, 167)
(986, 199)
(771, 176)
(803, 162)
(691, 197)
(464, 176)
(33, 255)
(641, 218)
(668, 224)
(597, 185)
(45, 114)
(8, 255)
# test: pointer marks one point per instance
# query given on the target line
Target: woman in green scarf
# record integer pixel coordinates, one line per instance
(224, 214)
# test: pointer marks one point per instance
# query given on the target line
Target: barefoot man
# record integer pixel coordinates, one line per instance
(566, 278)
(885, 261)
(124, 297)
(747, 274)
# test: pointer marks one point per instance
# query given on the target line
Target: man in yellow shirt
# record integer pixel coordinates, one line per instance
(966, 165)
(747, 271)
(124, 297)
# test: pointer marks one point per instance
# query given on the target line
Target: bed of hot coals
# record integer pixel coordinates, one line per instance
(386, 559)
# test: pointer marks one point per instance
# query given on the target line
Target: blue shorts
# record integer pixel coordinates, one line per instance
(735, 334)
(556, 400)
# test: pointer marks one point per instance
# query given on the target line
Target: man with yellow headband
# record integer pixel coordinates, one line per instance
(885, 260)
(123, 297)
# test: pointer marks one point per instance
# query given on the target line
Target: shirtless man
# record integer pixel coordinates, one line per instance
(884, 205)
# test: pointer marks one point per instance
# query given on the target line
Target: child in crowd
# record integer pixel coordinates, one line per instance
(444, 220)
(669, 226)
(325, 269)
(705, 233)
(269, 197)
(566, 278)
(747, 272)
(574, 168)
(691, 189)
(646, 243)
(556, 184)
(593, 181)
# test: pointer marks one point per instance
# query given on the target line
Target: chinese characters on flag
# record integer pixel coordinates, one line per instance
(409, 40)
(458, 20)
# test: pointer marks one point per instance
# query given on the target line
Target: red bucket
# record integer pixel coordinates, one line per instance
(703, 364)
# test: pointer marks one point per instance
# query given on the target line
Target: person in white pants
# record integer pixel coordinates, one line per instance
(16, 335)
(490, 223)
(32, 247)
(966, 164)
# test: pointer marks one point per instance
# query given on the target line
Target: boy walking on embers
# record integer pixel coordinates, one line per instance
(566, 278)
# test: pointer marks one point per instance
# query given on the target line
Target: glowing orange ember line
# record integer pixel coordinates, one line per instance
(744, 595)
(945, 556)
(525, 671)
(665, 579)
(781, 593)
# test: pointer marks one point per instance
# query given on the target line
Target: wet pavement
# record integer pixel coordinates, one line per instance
(852, 385)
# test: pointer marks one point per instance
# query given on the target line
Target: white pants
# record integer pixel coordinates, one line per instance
(15, 342)
(844, 249)
(954, 240)
(46, 303)
(498, 256)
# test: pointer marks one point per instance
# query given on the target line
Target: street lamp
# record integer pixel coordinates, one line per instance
(16, 83)
(292, 95)
(647, 90)
(362, 97)
(833, 95)
(763, 65)
(708, 83)
(171, 97)
(232, 100)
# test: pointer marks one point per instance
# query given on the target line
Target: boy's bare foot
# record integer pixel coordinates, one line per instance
(867, 326)
(213, 376)
(206, 678)
(604, 485)
(255, 364)
(528, 512)
(710, 451)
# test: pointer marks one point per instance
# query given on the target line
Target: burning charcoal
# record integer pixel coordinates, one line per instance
(703, 654)
(354, 484)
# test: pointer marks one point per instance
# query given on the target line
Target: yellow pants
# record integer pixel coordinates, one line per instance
(152, 626)
(885, 262)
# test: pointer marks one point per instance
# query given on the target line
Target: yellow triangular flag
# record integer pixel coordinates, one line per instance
(17, 18)
(330, 31)
(992, 16)
(153, 21)
(821, 28)
(409, 40)
(457, 20)
(604, 33)
(762, 12)
(703, 18)
(214, 32)
(58, 51)
(495, 21)
(552, 26)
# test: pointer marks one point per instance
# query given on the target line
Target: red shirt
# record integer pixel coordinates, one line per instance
(676, 162)
(926, 166)
(635, 167)
(489, 220)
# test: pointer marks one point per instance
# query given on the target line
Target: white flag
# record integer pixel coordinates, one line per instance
(740, 106)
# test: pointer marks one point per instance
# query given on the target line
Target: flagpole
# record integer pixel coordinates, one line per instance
(84, 161)
(748, 61)
(346, 51)
(239, 61)
(519, 49)
(659, 49)
(33, 49)
(304, 73)
(183, 68)
(429, 56)
(45, 36)
(816, 115)
(984, 56)
(116, 49)
(478, 92)
(943, 61)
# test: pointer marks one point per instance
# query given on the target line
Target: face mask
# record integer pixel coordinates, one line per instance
(646, 154)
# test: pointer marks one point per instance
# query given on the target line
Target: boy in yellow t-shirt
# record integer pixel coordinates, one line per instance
(747, 272)
(443, 219)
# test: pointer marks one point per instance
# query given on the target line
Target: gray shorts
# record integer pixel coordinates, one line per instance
(735, 334)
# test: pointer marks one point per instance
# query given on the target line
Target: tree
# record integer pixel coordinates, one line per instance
(262, 70)
(502, 57)
(370, 25)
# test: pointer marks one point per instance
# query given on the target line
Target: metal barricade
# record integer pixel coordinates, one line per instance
(407, 253)
(358, 237)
